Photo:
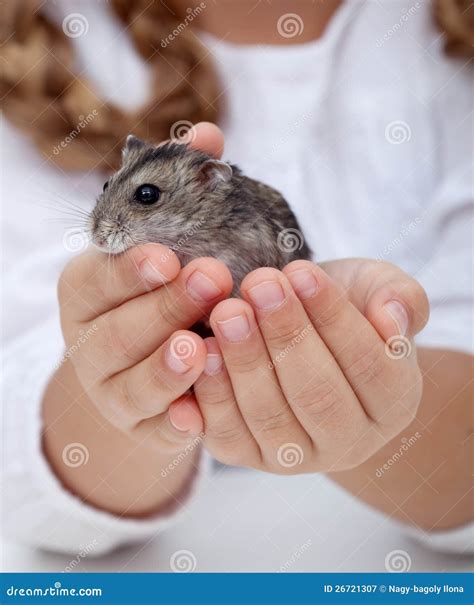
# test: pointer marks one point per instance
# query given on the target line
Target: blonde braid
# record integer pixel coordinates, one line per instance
(41, 94)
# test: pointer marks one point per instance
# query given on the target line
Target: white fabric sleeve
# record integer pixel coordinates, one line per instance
(448, 276)
(448, 273)
(459, 540)
(36, 508)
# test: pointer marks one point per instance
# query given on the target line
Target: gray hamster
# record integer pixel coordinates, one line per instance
(197, 206)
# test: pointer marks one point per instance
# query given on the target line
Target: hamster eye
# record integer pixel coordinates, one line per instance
(106, 184)
(147, 194)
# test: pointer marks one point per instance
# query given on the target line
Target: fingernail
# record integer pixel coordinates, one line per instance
(235, 329)
(304, 283)
(213, 364)
(202, 288)
(267, 295)
(175, 422)
(150, 273)
(175, 360)
(399, 315)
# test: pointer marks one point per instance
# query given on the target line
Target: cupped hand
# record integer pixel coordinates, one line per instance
(125, 320)
(315, 368)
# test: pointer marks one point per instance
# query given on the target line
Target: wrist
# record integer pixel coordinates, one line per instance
(103, 466)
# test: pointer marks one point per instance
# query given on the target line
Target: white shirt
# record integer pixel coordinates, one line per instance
(367, 134)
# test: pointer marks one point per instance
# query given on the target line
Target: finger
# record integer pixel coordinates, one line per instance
(94, 282)
(129, 333)
(178, 429)
(207, 137)
(312, 381)
(227, 436)
(258, 394)
(371, 285)
(151, 386)
(381, 382)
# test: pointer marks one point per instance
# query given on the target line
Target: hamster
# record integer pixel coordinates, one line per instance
(197, 206)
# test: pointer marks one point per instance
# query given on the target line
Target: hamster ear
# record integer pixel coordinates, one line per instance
(132, 145)
(214, 172)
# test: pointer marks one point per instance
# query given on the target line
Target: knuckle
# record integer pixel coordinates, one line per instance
(213, 397)
(267, 421)
(222, 435)
(318, 399)
(367, 367)
(283, 333)
(171, 312)
(329, 312)
(119, 344)
(244, 363)
(129, 406)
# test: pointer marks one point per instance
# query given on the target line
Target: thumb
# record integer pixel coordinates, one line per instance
(393, 302)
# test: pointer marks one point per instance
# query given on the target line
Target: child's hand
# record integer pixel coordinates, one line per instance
(309, 382)
(123, 331)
